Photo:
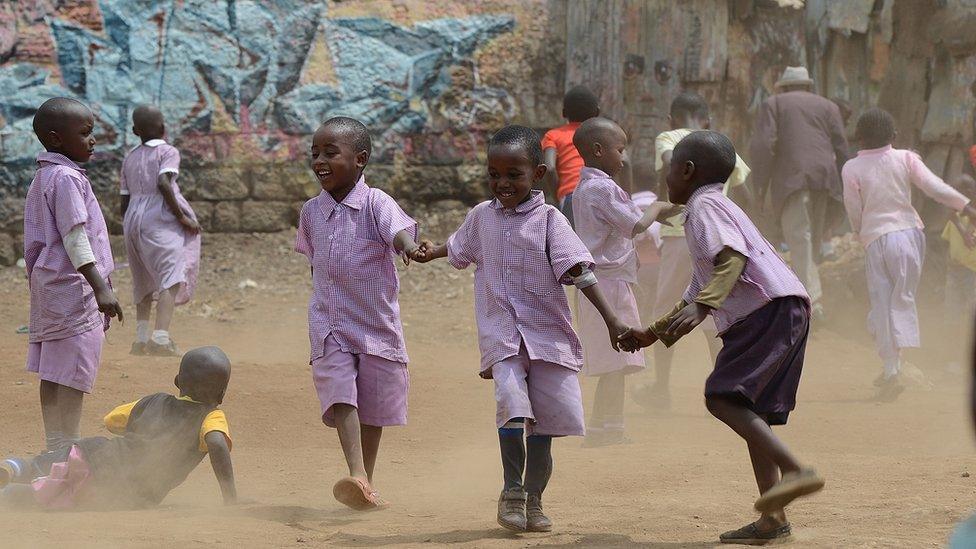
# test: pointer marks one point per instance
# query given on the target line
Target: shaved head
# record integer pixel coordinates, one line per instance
(596, 130)
(56, 115)
(147, 122)
(353, 130)
(204, 374)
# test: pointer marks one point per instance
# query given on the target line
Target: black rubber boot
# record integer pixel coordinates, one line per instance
(538, 469)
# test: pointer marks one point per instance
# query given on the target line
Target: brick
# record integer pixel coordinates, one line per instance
(226, 217)
(265, 217)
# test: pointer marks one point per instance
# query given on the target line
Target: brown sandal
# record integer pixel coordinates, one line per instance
(357, 494)
(752, 535)
(791, 486)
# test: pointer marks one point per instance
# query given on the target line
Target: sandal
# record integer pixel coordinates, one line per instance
(790, 487)
(752, 535)
(357, 494)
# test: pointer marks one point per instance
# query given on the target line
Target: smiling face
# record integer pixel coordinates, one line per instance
(335, 161)
(512, 174)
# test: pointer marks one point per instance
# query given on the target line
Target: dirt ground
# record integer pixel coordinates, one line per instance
(897, 472)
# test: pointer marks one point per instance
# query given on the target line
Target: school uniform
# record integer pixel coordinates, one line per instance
(765, 319)
(162, 253)
(605, 217)
(66, 329)
(358, 352)
(878, 198)
(161, 439)
(525, 331)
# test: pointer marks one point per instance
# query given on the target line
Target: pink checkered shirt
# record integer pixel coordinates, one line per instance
(604, 216)
(62, 304)
(521, 258)
(354, 279)
(714, 222)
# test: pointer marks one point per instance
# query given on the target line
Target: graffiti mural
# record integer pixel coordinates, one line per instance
(241, 77)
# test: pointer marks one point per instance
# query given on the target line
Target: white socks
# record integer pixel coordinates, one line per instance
(142, 331)
(160, 337)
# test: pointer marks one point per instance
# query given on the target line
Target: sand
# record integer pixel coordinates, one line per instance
(897, 473)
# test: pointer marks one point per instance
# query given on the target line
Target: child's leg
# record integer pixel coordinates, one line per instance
(767, 475)
(613, 408)
(880, 290)
(754, 430)
(51, 415)
(351, 439)
(512, 443)
(538, 467)
(371, 435)
(70, 403)
(143, 312)
(164, 314)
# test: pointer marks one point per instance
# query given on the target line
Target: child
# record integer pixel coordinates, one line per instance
(69, 260)
(161, 439)
(351, 234)
(607, 221)
(689, 112)
(523, 249)
(563, 162)
(878, 198)
(162, 236)
(762, 313)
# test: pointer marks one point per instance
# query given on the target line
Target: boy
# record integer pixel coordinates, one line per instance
(351, 234)
(69, 260)
(524, 250)
(161, 439)
(162, 236)
(563, 162)
(607, 221)
(689, 112)
(762, 313)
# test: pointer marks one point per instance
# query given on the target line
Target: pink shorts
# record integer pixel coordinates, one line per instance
(72, 361)
(377, 387)
(546, 394)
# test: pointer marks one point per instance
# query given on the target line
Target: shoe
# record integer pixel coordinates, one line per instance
(511, 510)
(535, 519)
(752, 535)
(880, 380)
(168, 349)
(793, 485)
(358, 494)
(138, 348)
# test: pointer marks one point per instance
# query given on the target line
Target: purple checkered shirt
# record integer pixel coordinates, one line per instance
(354, 280)
(715, 222)
(521, 257)
(62, 304)
(604, 216)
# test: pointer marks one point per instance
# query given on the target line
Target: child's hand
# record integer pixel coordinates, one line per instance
(635, 339)
(409, 254)
(685, 321)
(616, 329)
(668, 210)
(486, 373)
(423, 252)
(189, 224)
(108, 303)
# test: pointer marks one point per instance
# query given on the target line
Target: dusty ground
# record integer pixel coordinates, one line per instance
(897, 472)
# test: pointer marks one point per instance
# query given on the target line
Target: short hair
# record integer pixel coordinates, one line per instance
(712, 153)
(146, 114)
(689, 103)
(53, 114)
(875, 127)
(521, 137)
(580, 104)
(593, 130)
(354, 128)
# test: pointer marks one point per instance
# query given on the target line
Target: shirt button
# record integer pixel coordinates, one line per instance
(330, 237)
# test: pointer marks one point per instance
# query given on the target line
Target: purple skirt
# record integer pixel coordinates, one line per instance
(761, 359)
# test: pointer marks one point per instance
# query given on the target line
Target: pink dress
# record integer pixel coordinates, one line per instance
(162, 253)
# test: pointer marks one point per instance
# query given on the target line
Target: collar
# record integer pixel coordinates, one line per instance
(880, 150)
(154, 143)
(708, 188)
(587, 172)
(535, 200)
(59, 159)
(356, 198)
(187, 398)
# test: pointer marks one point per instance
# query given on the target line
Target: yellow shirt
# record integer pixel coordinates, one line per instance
(117, 420)
(667, 141)
(958, 251)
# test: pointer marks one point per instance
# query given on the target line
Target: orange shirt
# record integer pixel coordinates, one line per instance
(568, 161)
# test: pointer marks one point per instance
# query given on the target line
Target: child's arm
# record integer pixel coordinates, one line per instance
(592, 292)
(967, 234)
(164, 182)
(223, 468)
(405, 245)
(657, 212)
(82, 258)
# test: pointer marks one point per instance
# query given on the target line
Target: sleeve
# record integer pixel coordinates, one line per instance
(933, 186)
(390, 218)
(852, 198)
(77, 245)
(118, 419)
(549, 141)
(565, 248)
(661, 324)
(303, 236)
(463, 246)
(169, 159)
(67, 201)
(662, 144)
(763, 145)
(123, 184)
(728, 267)
(616, 209)
(715, 229)
(739, 173)
(215, 421)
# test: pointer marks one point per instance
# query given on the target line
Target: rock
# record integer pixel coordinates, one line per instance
(246, 284)
(285, 181)
(381, 176)
(12, 214)
(965, 474)
(8, 253)
(224, 182)
(265, 217)
(205, 214)
(227, 217)
(426, 183)
(473, 182)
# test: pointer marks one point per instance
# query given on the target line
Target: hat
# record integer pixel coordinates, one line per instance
(794, 76)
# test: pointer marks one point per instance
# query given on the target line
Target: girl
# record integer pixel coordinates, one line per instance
(878, 198)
